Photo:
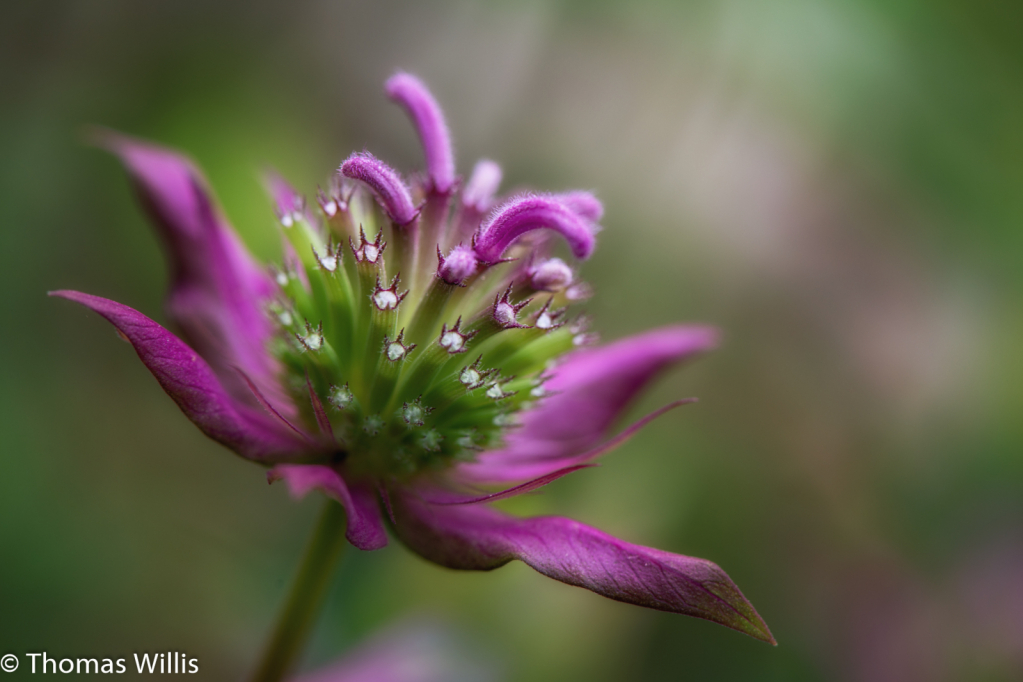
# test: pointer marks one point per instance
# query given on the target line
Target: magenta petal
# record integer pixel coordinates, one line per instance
(192, 384)
(539, 466)
(365, 525)
(426, 115)
(385, 183)
(590, 390)
(444, 497)
(480, 538)
(525, 214)
(217, 292)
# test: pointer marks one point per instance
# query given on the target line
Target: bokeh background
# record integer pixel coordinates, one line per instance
(837, 184)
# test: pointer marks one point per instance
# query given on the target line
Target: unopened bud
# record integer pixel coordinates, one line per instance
(453, 340)
(389, 298)
(396, 350)
(415, 412)
(313, 338)
(373, 424)
(367, 251)
(553, 274)
(340, 396)
(506, 313)
(459, 265)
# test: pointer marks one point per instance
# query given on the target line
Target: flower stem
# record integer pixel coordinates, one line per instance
(306, 597)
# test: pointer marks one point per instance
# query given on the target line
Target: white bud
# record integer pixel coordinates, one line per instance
(452, 342)
(385, 299)
(395, 351)
(341, 397)
(469, 377)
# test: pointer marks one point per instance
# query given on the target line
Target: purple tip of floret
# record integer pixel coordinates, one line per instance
(482, 186)
(413, 96)
(527, 213)
(583, 204)
(459, 265)
(552, 274)
(385, 183)
(290, 205)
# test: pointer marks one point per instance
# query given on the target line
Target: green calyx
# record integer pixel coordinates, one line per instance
(411, 380)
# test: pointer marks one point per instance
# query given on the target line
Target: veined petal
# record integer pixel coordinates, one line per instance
(414, 97)
(196, 389)
(527, 213)
(365, 525)
(480, 538)
(589, 391)
(217, 292)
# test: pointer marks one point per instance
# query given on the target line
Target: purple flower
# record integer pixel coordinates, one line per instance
(413, 405)
(420, 650)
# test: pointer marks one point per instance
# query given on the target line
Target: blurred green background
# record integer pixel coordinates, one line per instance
(837, 184)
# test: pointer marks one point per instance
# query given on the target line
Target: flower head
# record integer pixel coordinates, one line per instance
(425, 361)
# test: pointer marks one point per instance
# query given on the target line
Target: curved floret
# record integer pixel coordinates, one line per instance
(408, 91)
(528, 213)
(362, 367)
(386, 184)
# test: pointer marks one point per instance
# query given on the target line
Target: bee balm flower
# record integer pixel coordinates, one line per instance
(399, 359)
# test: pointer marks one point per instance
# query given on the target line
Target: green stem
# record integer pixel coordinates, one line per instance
(306, 597)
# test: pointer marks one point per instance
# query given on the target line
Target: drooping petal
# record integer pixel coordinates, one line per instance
(365, 525)
(414, 97)
(480, 538)
(217, 292)
(385, 183)
(525, 214)
(588, 392)
(196, 389)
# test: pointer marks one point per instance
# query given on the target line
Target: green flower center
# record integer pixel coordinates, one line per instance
(410, 379)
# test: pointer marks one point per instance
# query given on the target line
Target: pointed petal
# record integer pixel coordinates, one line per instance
(590, 390)
(444, 497)
(428, 119)
(192, 384)
(217, 291)
(540, 465)
(480, 538)
(365, 526)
